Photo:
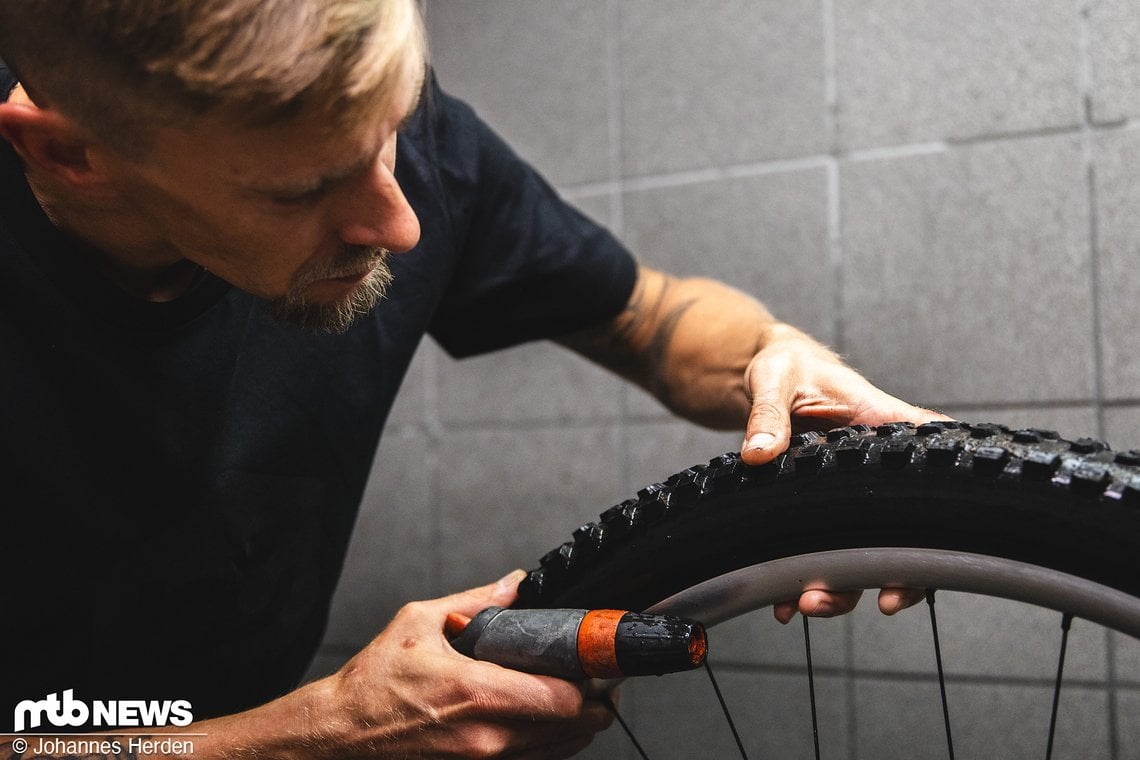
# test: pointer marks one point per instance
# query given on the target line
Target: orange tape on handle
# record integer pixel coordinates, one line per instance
(454, 624)
(597, 643)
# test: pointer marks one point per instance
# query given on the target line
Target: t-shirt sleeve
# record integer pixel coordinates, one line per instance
(530, 265)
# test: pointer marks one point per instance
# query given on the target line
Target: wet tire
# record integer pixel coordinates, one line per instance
(1065, 509)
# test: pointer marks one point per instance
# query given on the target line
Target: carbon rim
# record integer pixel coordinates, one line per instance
(750, 588)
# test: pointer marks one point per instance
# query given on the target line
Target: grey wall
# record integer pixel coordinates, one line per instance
(943, 191)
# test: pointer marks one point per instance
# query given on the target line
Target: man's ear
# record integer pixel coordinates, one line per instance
(48, 142)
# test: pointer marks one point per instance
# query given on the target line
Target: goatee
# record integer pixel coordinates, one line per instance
(295, 308)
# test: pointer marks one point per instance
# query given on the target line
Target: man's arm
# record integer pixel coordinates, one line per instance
(407, 694)
(717, 357)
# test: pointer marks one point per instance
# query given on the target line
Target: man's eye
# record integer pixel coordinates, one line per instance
(299, 199)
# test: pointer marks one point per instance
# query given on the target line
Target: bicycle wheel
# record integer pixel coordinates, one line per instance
(1022, 514)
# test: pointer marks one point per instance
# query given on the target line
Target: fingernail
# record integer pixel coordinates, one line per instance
(511, 580)
(760, 441)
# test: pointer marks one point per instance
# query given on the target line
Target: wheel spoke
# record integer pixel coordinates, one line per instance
(609, 703)
(941, 674)
(811, 688)
(724, 708)
(1066, 623)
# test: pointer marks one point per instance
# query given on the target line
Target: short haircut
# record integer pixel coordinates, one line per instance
(119, 67)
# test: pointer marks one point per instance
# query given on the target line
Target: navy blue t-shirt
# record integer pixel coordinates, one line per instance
(178, 481)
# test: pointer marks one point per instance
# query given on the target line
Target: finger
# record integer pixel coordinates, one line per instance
(884, 407)
(501, 593)
(598, 688)
(515, 739)
(597, 714)
(769, 421)
(896, 410)
(892, 600)
(552, 737)
(522, 696)
(506, 590)
(785, 611)
(507, 739)
(815, 603)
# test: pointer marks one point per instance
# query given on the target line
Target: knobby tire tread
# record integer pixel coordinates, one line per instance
(1028, 495)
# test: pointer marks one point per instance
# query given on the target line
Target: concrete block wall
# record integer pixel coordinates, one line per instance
(944, 192)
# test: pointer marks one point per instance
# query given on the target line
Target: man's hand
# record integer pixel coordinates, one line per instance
(717, 357)
(795, 384)
(409, 694)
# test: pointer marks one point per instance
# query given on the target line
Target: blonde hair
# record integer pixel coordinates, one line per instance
(119, 67)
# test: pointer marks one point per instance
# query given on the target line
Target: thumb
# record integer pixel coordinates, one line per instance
(769, 428)
(501, 593)
(896, 410)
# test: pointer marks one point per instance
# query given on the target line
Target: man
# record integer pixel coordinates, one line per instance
(203, 203)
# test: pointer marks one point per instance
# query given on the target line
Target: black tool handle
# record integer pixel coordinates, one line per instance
(577, 644)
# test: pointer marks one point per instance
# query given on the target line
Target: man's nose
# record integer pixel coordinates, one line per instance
(376, 213)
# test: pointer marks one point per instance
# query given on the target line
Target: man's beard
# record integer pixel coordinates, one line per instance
(296, 310)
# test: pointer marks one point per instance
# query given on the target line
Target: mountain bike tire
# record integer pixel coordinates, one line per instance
(1021, 514)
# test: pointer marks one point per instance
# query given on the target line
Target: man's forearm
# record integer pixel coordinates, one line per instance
(688, 341)
(716, 356)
